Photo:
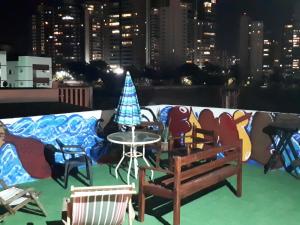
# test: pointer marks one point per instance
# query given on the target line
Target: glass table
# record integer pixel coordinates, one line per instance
(140, 138)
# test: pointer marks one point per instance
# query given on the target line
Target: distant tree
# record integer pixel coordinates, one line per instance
(234, 72)
(101, 65)
(276, 78)
(76, 69)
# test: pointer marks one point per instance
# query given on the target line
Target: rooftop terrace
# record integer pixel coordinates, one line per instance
(266, 199)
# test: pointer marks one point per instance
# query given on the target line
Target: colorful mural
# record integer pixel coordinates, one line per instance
(22, 156)
(23, 141)
(230, 126)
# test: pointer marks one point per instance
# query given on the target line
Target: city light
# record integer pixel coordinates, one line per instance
(118, 71)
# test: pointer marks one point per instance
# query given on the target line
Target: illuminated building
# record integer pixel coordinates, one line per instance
(287, 48)
(268, 56)
(170, 40)
(256, 48)
(42, 31)
(57, 32)
(124, 38)
(205, 49)
(244, 45)
(290, 52)
(251, 48)
(94, 18)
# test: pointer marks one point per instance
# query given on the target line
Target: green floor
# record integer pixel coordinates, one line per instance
(272, 199)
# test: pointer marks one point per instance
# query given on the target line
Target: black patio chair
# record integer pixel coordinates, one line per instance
(78, 158)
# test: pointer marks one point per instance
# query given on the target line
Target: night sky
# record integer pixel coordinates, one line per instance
(15, 20)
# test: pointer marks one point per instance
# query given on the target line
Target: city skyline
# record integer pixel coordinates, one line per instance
(16, 23)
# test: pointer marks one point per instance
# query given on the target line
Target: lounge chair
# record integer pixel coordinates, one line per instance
(98, 205)
(14, 198)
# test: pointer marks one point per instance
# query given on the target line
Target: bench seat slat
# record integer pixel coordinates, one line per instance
(158, 190)
(207, 180)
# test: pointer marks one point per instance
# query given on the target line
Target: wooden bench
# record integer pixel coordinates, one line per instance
(190, 176)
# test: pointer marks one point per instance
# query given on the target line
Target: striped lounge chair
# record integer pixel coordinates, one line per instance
(98, 205)
(14, 198)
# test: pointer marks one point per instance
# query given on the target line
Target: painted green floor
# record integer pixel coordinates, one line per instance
(267, 199)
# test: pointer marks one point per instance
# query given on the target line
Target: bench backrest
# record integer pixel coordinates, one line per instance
(232, 156)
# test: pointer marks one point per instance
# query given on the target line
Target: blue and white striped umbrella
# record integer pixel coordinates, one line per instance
(128, 111)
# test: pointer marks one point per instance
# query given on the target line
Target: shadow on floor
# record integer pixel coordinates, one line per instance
(158, 207)
(55, 222)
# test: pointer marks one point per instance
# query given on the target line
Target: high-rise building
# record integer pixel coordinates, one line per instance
(256, 29)
(244, 45)
(124, 38)
(268, 56)
(287, 48)
(94, 18)
(42, 31)
(170, 40)
(57, 32)
(290, 52)
(205, 51)
(251, 48)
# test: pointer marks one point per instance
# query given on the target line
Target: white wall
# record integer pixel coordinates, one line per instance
(26, 72)
(3, 66)
(21, 73)
(12, 73)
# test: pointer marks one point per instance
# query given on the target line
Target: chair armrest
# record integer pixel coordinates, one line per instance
(3, 184)
(156, 169)
(74, 152)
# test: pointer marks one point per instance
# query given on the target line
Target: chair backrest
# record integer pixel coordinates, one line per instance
(100, 205)
(61, 146)
(202, 137)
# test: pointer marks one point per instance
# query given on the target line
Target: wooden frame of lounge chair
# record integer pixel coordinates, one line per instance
(99, 205)
(14, 198)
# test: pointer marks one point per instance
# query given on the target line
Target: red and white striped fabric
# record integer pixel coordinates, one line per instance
(105, 207)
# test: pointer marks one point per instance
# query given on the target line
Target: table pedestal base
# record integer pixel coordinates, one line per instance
(133, 154)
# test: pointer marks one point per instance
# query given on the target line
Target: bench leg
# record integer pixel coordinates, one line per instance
(239, 183)
(176, 213)
(141, 195)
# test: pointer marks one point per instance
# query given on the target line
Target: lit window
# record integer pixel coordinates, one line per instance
(126, 15)
(68, 18)
(113, 24)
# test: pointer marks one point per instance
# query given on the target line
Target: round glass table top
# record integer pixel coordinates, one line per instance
(140, 138)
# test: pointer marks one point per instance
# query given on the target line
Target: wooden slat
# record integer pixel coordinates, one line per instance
(206, 154)
(206, 181)
(158, 190)
(206, 167)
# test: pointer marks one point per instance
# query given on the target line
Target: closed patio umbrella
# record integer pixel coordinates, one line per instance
(128, 110)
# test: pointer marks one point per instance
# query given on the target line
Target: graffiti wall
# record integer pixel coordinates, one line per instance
(231, 126)
(24, 142)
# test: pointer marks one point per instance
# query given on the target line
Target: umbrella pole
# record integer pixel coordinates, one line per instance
(132, 131)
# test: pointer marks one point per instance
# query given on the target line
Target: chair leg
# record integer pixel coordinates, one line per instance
(66, 175)
(89, 172)
(37, 202)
